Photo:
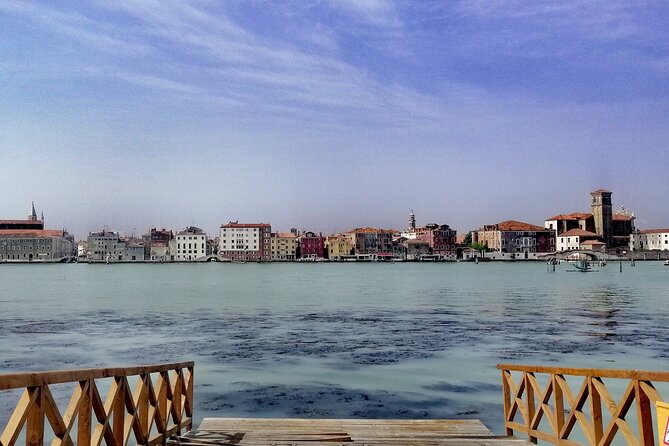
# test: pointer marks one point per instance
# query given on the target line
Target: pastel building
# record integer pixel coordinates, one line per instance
(371, 240)
(516, 238)
(440, 238)
(338, 247)
(283, 246)
(245, 241)
(29, 245)
(191, 245)
(311, 245)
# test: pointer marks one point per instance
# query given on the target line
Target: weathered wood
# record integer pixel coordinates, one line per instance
(372, 432)
(643, 375)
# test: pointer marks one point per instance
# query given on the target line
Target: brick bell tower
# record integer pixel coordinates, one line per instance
(602, 212)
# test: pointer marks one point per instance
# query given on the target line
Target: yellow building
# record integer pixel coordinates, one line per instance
(337, 246)
(283, 246)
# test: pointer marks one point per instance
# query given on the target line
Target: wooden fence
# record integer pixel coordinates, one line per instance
(554, 412)
(159, 404)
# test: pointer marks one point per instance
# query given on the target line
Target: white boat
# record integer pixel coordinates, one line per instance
(666, 263)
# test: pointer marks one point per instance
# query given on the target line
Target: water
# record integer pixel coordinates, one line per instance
(399, 340)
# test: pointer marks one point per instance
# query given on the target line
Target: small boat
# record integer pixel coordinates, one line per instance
(582, 266)
(666, 263)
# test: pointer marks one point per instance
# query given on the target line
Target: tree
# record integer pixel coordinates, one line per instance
(468, 239)
(480, 247)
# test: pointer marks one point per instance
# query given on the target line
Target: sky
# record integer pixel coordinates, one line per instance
(330, 115)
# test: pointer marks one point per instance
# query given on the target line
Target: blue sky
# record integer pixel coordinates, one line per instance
(333, 114)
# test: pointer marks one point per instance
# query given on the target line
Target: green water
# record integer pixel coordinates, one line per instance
(399, 340)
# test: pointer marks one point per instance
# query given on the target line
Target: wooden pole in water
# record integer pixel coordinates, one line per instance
(621, 266)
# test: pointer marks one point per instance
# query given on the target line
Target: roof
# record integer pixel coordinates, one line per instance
(592, 242)
(21, 221)
(579, 233)
(654, 231)
(513, 225)
(600, 191)
(32, 232)
(285, 235)
(372, 231)
(234, 224)
(572, 216)
(621, 217)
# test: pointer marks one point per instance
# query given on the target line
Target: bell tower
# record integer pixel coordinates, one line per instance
(602, 212)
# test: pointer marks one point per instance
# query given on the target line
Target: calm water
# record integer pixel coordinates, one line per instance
(336, 340)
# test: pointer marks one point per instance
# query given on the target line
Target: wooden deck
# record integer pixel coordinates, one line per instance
(278, 431)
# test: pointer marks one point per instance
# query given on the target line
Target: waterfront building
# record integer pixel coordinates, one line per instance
(650, 240)
(311, 245)
(161, 237)
(245, 241)
(134, 252)
(29, 245)
(577, 239)
(410, 232)
(371, 240)
(440, 239)
(613, 228)
(417, 248)
(191, 245)
(82, 248)
(338, 247)
(283, 246)
(159, 252)
(516, 239)
(105, 246)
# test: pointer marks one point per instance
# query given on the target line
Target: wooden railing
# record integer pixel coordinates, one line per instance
(552, 413)
(159, 404)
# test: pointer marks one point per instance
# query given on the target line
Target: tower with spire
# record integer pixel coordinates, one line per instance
(412, 221)
(33, 214)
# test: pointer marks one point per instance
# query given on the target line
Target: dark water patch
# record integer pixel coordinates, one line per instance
(466, 388)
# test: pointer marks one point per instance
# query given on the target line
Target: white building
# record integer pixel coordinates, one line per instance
(191, 245)
(245, 241)
(134, 252)
(650, 239)
(574, 239)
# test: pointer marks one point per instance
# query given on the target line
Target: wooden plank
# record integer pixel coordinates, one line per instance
(643, 375)
(300, 431)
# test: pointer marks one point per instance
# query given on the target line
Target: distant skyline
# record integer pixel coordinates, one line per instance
(331, 115)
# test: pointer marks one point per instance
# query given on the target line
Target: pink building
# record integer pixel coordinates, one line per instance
(441, 238)
(311, 245)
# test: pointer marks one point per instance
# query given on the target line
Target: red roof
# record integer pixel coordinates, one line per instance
(579, 233)
(654, 231)
(513, 225)
(21, 221)
(572, 216)
(592, 242)
(621, 217)
(32, 232)
(285, 235)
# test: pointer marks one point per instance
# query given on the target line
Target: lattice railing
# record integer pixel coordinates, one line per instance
(146, 403)
(554, 412)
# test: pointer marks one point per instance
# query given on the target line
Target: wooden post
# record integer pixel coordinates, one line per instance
(84, 416)
(529, 396)
(506, 394)
(644, 416)
(35, 420)
(559, 405)
(143, 405)
(118, 409)
(595, 410)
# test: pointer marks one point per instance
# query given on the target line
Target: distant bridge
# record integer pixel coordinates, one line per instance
(592, 255)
